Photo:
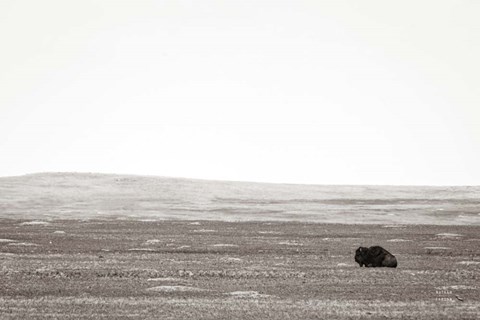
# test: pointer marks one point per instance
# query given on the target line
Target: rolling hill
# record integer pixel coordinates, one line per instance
(49, 196)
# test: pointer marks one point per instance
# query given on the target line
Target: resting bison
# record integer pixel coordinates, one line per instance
(375, 257)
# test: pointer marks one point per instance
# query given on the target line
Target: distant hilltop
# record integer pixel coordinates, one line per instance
(48, 196)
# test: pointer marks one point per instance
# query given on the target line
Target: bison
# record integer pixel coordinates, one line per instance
(375, 256)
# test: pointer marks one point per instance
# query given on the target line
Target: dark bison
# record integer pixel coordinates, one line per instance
(375, 256)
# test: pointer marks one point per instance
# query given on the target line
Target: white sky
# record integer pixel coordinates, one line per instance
(324, 92)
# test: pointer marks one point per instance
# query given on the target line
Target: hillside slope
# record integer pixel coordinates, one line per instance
(49, 196)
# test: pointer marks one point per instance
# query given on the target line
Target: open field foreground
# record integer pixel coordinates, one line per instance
(119, 269)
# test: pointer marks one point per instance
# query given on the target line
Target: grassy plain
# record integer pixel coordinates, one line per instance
(111, 269)
(92, 246)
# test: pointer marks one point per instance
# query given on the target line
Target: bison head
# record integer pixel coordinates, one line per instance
(361, 256)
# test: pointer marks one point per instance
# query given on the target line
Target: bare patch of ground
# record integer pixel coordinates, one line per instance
(114, 269)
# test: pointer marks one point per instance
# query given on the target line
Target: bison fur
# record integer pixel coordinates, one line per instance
(375, 256)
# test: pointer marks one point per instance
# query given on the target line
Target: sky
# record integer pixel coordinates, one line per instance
(293, 91)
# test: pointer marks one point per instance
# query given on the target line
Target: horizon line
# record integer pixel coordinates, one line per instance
(233, 180)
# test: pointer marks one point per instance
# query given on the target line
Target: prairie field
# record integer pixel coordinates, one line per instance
(91, 247)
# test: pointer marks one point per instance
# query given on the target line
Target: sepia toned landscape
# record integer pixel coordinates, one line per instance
(77, 246)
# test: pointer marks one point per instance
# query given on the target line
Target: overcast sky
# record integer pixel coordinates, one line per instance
(323, 92)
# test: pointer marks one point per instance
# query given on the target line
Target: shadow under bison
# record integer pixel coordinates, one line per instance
(375, 256)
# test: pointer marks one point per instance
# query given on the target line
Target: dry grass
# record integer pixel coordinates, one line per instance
(248, 270)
